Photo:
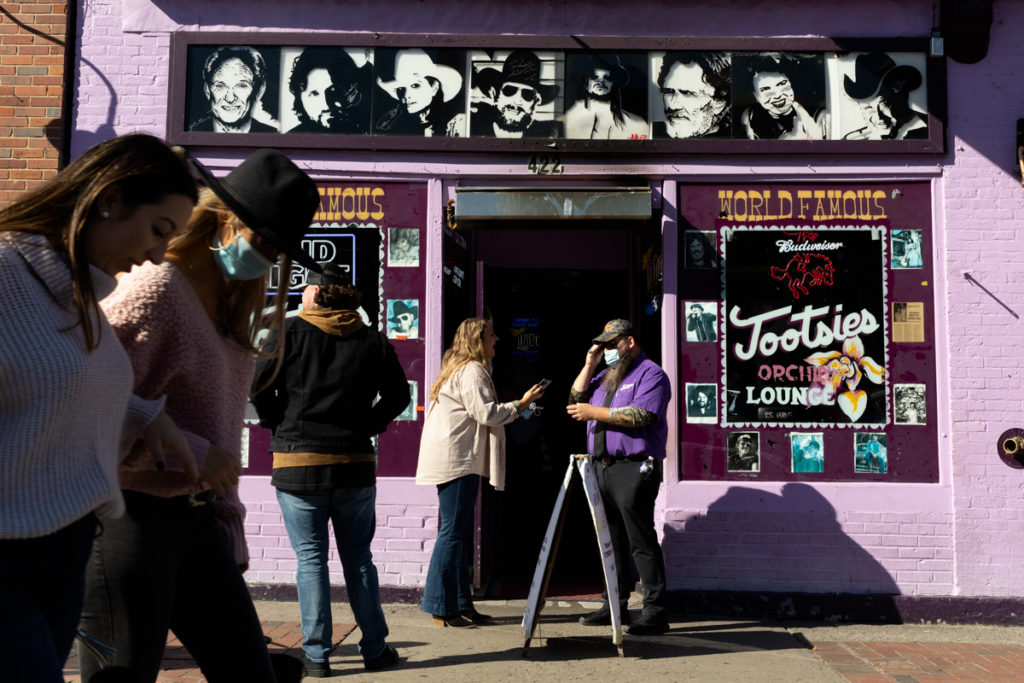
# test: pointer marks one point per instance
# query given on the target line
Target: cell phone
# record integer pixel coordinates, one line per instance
(543, 384)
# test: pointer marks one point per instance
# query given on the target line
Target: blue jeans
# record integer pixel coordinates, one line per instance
(449, 587)
(354, 516)
(41, 584)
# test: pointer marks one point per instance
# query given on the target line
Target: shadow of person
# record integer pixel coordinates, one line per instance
(758, 554)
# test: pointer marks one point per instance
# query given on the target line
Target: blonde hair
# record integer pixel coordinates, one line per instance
(143, 168)
(467, 347)
(240, 314)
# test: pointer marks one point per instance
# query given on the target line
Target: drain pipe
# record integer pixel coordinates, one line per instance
(67, 96)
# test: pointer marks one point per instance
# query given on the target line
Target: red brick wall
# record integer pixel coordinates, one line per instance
(31, 87)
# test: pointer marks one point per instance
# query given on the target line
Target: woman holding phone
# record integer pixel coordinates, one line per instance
(463, 439)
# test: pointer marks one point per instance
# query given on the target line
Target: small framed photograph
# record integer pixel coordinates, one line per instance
(699, 249)
(869, 453)
(403, 319)
(701, 403)
(701, 321)
(808, 451)
(744, 452)
(410, 410)
(906, 249)
(911, 407)
(403, 247)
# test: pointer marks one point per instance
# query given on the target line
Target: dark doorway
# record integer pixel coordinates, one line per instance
(545, 318)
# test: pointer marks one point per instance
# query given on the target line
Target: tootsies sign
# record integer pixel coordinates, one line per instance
(805, 322)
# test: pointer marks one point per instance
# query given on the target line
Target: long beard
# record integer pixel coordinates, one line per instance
(614, 376)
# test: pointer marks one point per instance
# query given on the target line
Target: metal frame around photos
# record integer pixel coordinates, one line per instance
(178, 80)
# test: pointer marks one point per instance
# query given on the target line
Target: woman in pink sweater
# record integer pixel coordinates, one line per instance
(190, 326)
(66, 384)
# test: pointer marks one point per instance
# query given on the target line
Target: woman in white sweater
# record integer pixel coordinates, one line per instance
(463, 439)
(66, 398)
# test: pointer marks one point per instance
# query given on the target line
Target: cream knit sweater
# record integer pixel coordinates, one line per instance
(62, 410)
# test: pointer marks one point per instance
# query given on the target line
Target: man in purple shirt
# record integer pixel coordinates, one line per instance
(626, 433)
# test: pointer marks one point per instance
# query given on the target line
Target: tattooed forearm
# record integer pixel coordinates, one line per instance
(577, 396)
(630, 416)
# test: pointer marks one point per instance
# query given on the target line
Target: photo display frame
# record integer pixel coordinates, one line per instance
(478, 93)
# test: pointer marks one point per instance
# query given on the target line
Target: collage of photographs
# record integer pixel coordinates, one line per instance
(573, 95)
(701, 323)
(403, 315)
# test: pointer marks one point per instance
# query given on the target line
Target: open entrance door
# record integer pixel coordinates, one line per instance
(549, 292)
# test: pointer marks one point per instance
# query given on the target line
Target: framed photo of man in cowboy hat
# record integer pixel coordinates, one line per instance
(420, 92)
(403, 319)
(606, 96)
(516, 94)
(879, 96)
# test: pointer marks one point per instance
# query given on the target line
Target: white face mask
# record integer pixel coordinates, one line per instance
(611, 357)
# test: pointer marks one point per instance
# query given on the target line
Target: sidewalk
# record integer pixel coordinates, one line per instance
(693, 650)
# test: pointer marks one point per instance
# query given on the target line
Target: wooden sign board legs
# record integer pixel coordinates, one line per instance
(549, 548)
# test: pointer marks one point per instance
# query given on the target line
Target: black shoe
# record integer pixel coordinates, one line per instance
(458, 621)
(647, 625)
(603, 617)
(475, 617)
(316, 669)
(382, 661)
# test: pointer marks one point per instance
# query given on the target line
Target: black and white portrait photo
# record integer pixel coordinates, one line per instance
(699, 249)
(701, 321)
(744, 452)
(606, 96)
(403, 319)
(701, 403)
(881, 96)
(808, 451)
(906, 249)
(410, 410)
(419, 92)
(233, 89)
(780, 96)
(870, 453)
(911, 407)
(690, 95)
(516, 94)
(403, 247)
(328, 90)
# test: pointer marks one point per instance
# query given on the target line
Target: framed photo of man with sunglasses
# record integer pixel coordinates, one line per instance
(515, 94)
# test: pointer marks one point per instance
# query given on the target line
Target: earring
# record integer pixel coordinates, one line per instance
(104, 214)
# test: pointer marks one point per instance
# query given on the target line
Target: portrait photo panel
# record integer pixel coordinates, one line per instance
(516, 93)
(420, 92)
(808, 451)
(701, 321)
(326, 89)
(878, 95)
(606, 96)
(779, 96)
(690, 94)
(233, 89)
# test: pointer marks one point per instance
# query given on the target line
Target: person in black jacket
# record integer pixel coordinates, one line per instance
(320, 407)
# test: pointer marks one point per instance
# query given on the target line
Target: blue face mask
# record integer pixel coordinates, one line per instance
(611, 357)
(239, 260)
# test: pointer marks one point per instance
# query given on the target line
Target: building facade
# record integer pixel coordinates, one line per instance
(814, 234)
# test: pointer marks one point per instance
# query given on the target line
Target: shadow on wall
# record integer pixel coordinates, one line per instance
(756, 553)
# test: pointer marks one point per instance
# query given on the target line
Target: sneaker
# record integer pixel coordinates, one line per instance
(603, 617)
(648, 625)
(382, 661)
(475, 617)
(316, 669)
(458, 621)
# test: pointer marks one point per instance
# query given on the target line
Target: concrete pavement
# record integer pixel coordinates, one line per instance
(695, 649)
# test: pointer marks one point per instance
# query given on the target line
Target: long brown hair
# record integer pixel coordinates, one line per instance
(240, 313)
(145, 170)
(467, 347)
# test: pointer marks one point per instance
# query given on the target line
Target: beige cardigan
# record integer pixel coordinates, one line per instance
(464, 433)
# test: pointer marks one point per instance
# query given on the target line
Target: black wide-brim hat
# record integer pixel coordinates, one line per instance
(273, 197)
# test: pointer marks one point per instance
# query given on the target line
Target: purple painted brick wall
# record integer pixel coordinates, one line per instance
(958, 537)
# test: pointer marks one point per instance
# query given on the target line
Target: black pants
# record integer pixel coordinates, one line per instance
(166, 564)
(628, 496)
(41, 582)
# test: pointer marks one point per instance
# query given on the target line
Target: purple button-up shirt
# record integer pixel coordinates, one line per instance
(645, 386)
